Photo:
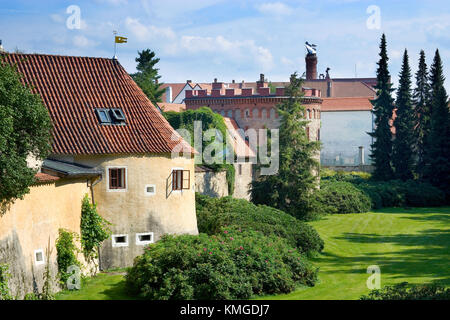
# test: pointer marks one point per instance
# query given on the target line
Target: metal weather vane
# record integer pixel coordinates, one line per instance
(311, 48)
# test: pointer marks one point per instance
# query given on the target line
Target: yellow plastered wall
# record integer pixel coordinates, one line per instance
(132, 211)
(31, 223)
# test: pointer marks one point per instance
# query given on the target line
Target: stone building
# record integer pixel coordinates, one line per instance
(104, 125)
(345, 114)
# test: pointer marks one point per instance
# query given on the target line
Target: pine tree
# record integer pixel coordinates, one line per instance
(437, 154)
(292, 188)
(403, 146)
(147, 77)
(383, 106)
(422, 112)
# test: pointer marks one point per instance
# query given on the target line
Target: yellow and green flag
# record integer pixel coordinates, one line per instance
(121, 39)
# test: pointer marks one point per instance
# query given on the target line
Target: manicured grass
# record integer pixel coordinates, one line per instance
(105, 286)
(408, 245)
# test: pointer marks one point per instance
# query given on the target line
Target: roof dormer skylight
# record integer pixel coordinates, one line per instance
(110, 116)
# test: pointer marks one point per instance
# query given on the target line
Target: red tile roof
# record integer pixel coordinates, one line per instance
(71, 87)
(44, 178)
(346, 104)
(240, 146)
(176, 107)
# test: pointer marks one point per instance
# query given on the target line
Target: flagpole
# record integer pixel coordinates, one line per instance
(115, 44)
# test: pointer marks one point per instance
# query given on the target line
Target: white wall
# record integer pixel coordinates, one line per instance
(341, 135)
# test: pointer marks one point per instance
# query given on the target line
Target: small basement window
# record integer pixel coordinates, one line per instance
(144, 238)
(150, 190)
(39, 257)
(181, 180)
(120, 240)
(117, 178)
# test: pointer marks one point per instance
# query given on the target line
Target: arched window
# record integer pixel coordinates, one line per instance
(272, 113)
(230, 114)
(247, 113)
(255, 113)
(237, 113)
(264, 113)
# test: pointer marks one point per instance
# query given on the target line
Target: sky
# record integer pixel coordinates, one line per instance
(233, 39)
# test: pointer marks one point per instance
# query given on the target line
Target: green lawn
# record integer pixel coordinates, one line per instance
(105, 286)
(408, 245)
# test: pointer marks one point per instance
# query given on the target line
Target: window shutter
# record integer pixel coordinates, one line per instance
(174, 180)
(186, 176)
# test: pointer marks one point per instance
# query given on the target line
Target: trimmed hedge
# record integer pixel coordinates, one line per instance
(394, 193)
(213, 213)
(343, 197)
(403, 291)
(233, 264)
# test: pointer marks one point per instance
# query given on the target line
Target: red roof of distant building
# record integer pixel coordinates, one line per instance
(72, 87)
(176, 107)
(43, 178)
(347, 104)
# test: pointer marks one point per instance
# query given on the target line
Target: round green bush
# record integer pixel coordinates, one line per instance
(234, 264)
(343, 197)
(214, 213)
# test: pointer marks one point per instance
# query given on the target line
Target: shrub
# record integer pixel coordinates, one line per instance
(213, 213)
(66, 254)
(343, 197)
(398, 194)
(4, 278)
(403, 291)
(234, 264)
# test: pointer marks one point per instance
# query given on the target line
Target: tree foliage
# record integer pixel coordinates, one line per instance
(383, 106)
(404, 142)
(25, 130)
(436, 160)
(291, 189)
(209, 120)
(147, 77)
(422, 112)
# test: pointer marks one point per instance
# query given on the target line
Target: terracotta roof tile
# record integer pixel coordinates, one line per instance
(177, 107)
(346, 104)
(72, 87)
(43, 178)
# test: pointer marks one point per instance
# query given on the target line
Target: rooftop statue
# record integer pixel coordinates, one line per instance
(311, 48)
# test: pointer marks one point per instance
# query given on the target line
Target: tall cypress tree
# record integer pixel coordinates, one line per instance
(291, 188)
(437, 154)
(403, 146)
(383, 106)
(422, 112)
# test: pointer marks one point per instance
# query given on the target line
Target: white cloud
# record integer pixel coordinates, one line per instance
(83, 42)
(275, 8)
(234, 50)
(147, 32)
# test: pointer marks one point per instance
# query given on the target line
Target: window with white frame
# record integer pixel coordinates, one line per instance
(150, 190)
(144, 238)
(39, 257)
(120, 240)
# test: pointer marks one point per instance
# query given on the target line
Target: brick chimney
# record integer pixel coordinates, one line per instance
(261, 83)
(311, 66)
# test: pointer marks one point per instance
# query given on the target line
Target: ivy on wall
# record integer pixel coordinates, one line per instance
(66, 254)
(94, 230)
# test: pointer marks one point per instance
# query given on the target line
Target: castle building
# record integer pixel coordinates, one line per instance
(345, 112)
(109, 141)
